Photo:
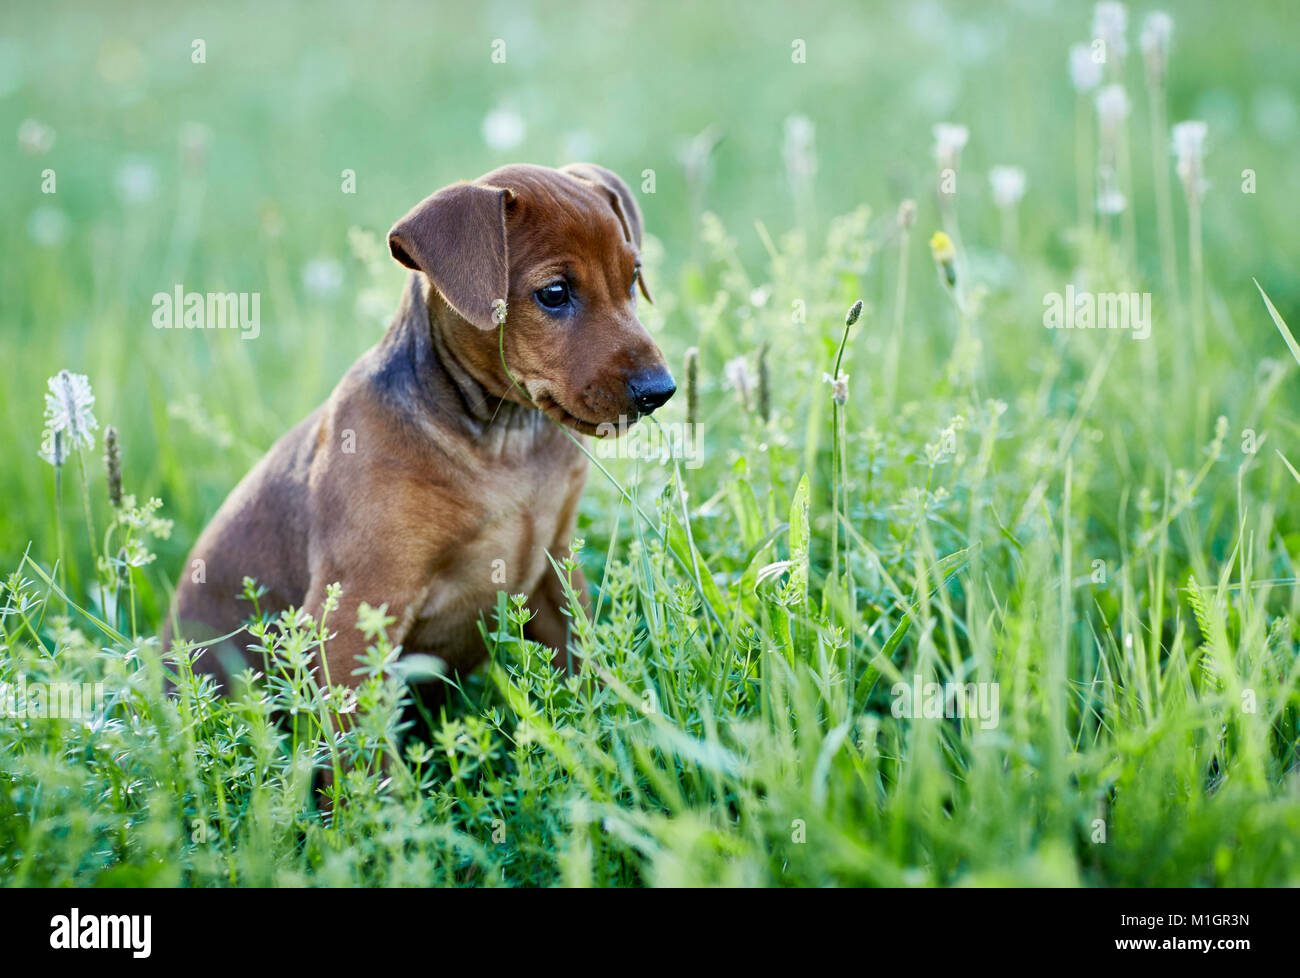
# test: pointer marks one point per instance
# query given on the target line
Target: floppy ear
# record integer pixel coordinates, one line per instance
(621, 199)
(457, 237)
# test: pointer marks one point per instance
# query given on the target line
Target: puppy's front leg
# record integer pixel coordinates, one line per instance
(342, 652)
(370, 533)
(339, 660)
(549, 625)
(373, 570)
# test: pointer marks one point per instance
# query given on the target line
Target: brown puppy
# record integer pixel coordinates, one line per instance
(428, 481)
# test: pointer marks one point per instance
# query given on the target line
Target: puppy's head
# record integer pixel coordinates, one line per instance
(561, 250)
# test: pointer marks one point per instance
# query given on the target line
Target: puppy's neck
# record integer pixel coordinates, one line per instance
(424, 350)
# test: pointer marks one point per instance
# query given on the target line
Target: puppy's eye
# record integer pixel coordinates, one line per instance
(553, 296)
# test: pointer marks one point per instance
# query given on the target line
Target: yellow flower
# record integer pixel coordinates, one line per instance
(945, 256)
(941, 246)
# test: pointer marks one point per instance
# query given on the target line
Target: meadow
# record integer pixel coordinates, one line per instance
(1091, 530)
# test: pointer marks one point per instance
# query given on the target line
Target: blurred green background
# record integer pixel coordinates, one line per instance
(227, 175)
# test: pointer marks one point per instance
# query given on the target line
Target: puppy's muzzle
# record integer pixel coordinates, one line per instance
(651, 388)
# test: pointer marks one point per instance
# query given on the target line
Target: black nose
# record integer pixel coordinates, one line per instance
(651, 388)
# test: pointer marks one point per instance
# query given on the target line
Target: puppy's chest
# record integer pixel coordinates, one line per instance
(514, 520)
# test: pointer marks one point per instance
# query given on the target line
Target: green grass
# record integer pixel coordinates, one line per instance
(1101, 527)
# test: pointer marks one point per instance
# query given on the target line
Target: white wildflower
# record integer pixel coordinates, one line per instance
(48, 226)
(839, 387)
(503, 128)
(69, 417)
(35, 137)
(1157, 30)
(1085, 73)
(741, 380)
(137, 181)
(800, 149)
(322, 277)
(1110, 24)
(1008, 183)
(1189, 148)
(949, 140)
(1110, 201)
(1189, 139)
(1112, 108)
